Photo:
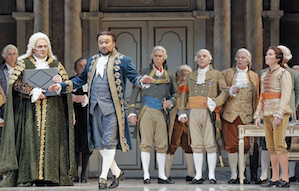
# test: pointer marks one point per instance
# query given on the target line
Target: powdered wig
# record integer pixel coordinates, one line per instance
(32, 44)
(184, 67)
(286, 52)
(249, 57)
(9, 46)
(159, 48)
(209, 54)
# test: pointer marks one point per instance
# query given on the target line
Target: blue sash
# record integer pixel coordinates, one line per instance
(152, 102)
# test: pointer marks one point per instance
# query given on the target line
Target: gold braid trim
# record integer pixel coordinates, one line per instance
(38, 115)
(62, 72)
(132, 105)
(160, 81)
(19, 68)
(138, 120)
(42, 139)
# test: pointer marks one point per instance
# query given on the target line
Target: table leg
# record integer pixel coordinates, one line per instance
(241, 160)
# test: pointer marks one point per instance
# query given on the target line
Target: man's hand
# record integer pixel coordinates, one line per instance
(57, 79)
(78, 98)
(276, 121)
(146, 79)
(133, 119)
(166, 104)
(235, 89)
(184, 119)
(258, 122)
(53, 87)
(42, 96)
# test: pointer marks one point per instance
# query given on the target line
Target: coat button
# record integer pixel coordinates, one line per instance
(195, 91)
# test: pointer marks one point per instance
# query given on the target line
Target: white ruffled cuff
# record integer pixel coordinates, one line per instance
(84, 104)
(58, 91)
(231, 91)
(35, 93)
(144, 86)
(132, 115)
(211, 104)
(181, 116)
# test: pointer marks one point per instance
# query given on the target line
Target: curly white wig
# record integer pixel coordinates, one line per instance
(205, 50)
(286, 52)
(159, 48)
(184, 67)
(32, 44)
(9, 46)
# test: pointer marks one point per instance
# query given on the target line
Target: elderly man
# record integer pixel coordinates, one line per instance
(38, 134)
(9, 54)
(151, 123)
(204, 90)
(294, 101)
(106, 74)
(178, 131)
(243, 85)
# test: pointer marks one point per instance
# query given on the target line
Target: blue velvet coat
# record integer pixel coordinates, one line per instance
(119, 68)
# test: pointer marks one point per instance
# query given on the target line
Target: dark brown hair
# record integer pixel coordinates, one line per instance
(107, 33)
(279, 55)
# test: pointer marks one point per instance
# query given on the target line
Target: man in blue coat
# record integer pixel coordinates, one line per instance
(106, 74)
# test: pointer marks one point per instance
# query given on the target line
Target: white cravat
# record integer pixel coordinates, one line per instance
(201, 76)
(241, 79)
(158, 73)
(9, 70)
(101, 65)
(41, 63)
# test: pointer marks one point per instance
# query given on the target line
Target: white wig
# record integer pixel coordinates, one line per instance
(32, 44)
(184, 67)
(209, 54)
(159, 48)
(249, 57)
(9, 46)
(286, 52)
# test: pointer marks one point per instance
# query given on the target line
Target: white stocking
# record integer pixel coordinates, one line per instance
(114, 168)
(190, 164)
(108, 157)
(212, 158)
(169, 159)
(145, 159)
(161, 165)
(265, 163)
(198, 160)
(233, 164)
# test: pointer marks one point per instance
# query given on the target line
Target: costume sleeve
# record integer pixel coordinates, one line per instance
(133, 100)
(257, 112)
(2, 97)
(22, 88)
(75, 83)
(132, 74)
(286, 92)
(223, 91)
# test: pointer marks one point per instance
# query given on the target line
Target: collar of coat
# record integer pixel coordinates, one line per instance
(209, 74)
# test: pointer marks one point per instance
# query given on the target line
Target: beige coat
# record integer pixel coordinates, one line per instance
(244, 113)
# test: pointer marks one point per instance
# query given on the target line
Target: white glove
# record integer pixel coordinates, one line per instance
(211, 104)
(35, 93)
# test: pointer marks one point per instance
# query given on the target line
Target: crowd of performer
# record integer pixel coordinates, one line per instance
(42, 136)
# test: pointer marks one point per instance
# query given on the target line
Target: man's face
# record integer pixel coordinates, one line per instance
(182, 76)
(106, 44)
(158, 58)
(11, 57)
(41, 49)
(241, 60)
(80, 66)
(203, 59)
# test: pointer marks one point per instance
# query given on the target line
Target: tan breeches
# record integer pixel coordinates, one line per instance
(153, 128)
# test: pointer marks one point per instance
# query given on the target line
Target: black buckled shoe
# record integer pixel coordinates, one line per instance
(269, 183)
(75, 179)
(259, 181)
(147, 181)
(189, 178)
(212, 181)
(167, 181)
(115, 181)
(195, 181)
(292, 179)
(283, 184)
(245, 181)
(233, 181)
(102, 183)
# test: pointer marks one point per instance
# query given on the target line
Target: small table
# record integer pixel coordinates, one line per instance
(253, 131)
